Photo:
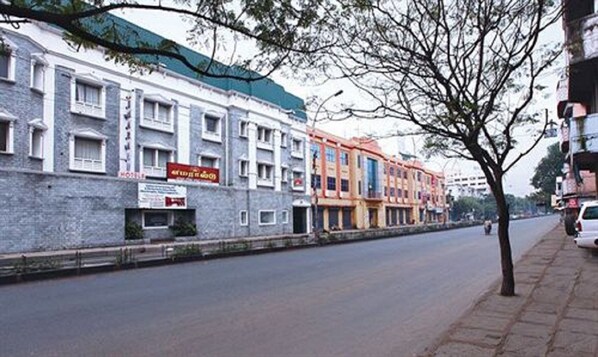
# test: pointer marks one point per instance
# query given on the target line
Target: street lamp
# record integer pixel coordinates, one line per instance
(314, 168)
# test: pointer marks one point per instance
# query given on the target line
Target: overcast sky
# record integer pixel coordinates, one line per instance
(518, 179)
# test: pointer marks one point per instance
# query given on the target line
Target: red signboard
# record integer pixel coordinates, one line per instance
(192, 173)
(297, 182)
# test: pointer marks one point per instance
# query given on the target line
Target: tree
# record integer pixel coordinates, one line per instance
(462, 72)
(464, 206)
(546, 172)
(279, 29)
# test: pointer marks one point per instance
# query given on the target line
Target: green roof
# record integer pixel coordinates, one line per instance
(264, 89)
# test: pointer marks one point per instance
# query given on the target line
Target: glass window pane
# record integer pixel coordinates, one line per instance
(163, 112)
(148, 109)
(4, 64)
(155, 219)
(148, 157)
(36, 143)
(211, 124)
(4, 136)
(88, 149)
(163, 158)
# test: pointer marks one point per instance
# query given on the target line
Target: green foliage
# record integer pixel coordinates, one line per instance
(189, 250)
(133, 231)
(182, 228)
(545, 174)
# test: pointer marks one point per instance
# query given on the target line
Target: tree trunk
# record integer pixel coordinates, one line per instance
(506, 260)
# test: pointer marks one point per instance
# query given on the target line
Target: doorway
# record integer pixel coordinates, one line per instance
(299, 220)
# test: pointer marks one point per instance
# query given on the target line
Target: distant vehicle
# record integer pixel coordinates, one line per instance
(586, 226)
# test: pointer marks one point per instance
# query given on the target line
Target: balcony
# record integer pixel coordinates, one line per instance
(569, 187)
(373, 195)
(582, 39)
(583, 136)
(564, 138)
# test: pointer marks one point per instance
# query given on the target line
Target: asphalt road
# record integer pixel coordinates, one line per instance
(389, 297)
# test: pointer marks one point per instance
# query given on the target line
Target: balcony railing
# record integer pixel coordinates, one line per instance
(373, 195)
(583, 137)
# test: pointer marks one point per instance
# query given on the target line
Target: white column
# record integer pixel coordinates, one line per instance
(308, 166)
(277, 161)
(252, 153)
(48, 113)
(184, 135)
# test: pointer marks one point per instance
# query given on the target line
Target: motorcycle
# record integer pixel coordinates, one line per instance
(487, 227)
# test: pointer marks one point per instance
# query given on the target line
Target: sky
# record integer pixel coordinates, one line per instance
(517, 180)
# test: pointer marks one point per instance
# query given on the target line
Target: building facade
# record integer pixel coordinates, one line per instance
(86, 148)
(462, 185)
(577, 107)
(358, 186)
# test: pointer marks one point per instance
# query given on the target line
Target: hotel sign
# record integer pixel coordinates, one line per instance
(192, 173)
(152, 195)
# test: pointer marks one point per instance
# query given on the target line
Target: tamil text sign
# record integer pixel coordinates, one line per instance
(192, 173)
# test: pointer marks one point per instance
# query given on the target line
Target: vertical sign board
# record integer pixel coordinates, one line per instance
(151, 195)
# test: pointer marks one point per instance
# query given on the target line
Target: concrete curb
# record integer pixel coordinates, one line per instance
(58, 264)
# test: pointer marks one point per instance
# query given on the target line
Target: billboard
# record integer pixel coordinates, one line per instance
(176, 171)
(152, 195)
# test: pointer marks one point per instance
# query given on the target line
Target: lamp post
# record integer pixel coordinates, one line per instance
(314, 168)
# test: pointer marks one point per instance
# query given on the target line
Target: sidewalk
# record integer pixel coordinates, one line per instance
(555, 312)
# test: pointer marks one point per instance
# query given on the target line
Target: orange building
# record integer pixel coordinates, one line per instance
(358, 186)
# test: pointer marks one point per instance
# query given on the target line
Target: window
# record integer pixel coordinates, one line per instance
(156, 219)
(385, 169)
(315, 150)
(243, 218)
(358, 161)
(392, 192)
(243, 129)
(419, 195)
(5, 62)
(264, 173)
(385, 191)
(344, 158)
(344, 185)
(88, 96)
(331, 183)
(157, 115)
(211, 127)
(36, 144)
(36, 137)
(297, 179)
(406, 194)
(297, 149)
(359, 187)
(284, 173)
(399, 193)
(154, 161)
(243, 168)
(88, 154)
(209, 161)
(6, 133)
(391, 171)
(38, 69)
(330, 154)
(283, 140)
(264, 135)
(398, 173)
(316, 181)
(8, 61)
(419, 176)
(285, 216)
(267, 218)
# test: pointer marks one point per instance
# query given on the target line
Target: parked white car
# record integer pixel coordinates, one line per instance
(587, 226)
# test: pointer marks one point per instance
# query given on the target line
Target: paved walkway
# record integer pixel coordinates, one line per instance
(554, 314)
